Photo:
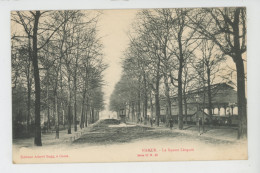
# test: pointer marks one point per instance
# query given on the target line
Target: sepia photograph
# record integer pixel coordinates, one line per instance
(129, 85)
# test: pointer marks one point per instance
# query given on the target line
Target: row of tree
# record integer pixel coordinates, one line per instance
(173, 51)
(57, 66)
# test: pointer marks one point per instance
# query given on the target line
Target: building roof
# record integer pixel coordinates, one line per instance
(221, 93)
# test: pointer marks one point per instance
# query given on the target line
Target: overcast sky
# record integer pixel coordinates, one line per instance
(113, 26)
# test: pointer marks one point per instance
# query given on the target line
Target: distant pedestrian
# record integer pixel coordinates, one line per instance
(151, 121)
(171, 123)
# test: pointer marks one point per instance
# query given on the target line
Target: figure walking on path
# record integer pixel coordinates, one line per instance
(171, 124)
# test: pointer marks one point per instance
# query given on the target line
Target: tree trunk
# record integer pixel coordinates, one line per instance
(241, 99)
(133, 111)
(56, 115)
(129, 110)
(28, 106)
(96, 116)
(61, 89)
(151, 105)
(82, 113)
(145, 99)
(75, 103)
(75, 94)
(209, 93)
(185, 106)
(48, 106)
(168, 99)
(139, 100)
(87, 111)
(241, 95)
(83, 108)
(29, 85)
(85, 95)
(184, 94)
(69, 107)
(56, 106)
(203, 105)
(157, 103)
(157, 88)
(181, 59)
(37, 138)
(63, 115)
(75, 113)
(92, 115)
(69, 119)
(180, 119)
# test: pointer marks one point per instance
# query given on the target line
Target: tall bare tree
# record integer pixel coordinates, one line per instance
(226, 27)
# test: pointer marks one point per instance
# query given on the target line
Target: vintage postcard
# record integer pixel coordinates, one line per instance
(129, 85)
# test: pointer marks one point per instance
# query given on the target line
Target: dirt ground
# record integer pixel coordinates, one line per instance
(107, 135)
(104, 143)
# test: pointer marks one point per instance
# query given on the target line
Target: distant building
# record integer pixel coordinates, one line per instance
(224, 101)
